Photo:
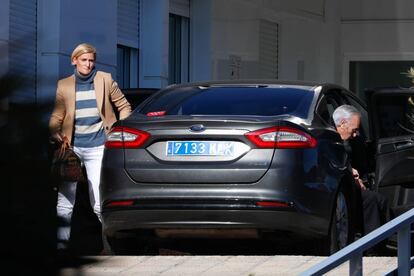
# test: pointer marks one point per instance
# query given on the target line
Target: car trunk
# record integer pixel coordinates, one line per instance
(198, 151)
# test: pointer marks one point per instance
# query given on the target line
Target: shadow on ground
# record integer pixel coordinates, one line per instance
(28, 201)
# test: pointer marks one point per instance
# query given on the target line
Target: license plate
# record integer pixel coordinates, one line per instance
(204, 148)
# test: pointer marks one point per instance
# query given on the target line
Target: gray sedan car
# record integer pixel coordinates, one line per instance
(253, 159)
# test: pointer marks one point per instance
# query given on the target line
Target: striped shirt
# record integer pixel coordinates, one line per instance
(89, 130)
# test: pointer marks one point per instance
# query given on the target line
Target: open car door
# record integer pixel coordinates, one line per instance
(391, 116)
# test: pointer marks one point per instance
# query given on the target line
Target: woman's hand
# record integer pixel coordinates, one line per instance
(57, 137)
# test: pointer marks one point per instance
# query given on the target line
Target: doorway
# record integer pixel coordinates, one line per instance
(374, 74)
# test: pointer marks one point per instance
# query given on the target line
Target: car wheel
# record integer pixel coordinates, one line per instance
(342, 230)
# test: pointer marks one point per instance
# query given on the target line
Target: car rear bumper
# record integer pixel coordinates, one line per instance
(128, 206)
(301, 224)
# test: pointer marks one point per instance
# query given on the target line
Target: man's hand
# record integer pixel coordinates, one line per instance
(359, 180)
(361, 183)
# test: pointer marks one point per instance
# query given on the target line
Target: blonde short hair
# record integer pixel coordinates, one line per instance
(83, 48)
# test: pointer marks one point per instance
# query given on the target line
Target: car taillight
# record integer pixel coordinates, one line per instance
(120, 203)
(156, 113)
(273, 204)
(281, 137)
(125, 137)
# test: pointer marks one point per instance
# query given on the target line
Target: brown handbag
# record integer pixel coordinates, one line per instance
(66, 164)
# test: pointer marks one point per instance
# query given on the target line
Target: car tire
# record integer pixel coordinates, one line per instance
(107, 249)
(342, 229)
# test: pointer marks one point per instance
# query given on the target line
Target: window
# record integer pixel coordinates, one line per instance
(372, 74)
(127, 69)
(178, 56)
(268, 49)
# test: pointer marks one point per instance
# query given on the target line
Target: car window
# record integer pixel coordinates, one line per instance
(326, 107)
(260, 101)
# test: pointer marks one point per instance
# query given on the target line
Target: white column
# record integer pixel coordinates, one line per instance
(200, 40)
(154, 21)
(330, 43)
(48, 51)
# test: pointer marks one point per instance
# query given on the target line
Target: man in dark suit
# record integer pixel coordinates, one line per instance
(375, 207)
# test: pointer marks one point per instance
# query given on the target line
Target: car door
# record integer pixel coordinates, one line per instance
(391, 115)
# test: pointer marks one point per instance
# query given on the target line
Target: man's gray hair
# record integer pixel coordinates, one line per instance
(344, 112)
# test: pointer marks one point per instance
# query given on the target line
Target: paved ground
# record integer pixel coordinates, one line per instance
(217, 265)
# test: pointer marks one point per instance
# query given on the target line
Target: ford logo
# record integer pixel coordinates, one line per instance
(197, 128)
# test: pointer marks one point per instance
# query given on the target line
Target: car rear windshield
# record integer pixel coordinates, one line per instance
(259, 101)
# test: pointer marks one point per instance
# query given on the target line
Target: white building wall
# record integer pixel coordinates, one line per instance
(317, 39)
(234, 33)
(62, 25)
(300, 47)
(330, 43)
(308, 38)
(380, 33)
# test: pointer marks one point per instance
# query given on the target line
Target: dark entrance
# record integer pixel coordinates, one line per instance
(372, 74)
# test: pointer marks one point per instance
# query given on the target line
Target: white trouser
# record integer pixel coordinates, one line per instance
(92, 159)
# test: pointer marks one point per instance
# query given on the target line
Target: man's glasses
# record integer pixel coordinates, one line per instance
(355, 131)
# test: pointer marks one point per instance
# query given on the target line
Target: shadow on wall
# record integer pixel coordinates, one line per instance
(27, 202)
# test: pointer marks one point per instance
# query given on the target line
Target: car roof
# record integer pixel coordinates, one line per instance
(249, 82)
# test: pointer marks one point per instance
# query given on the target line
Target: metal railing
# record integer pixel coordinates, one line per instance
(354, 252)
